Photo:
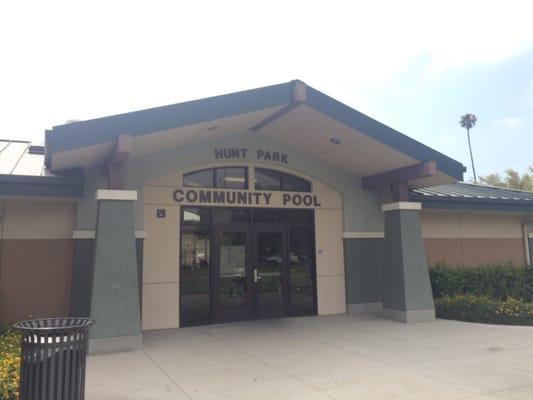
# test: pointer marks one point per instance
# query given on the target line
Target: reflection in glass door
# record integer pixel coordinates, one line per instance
(233, 300)
(270, 274)
(238, 264)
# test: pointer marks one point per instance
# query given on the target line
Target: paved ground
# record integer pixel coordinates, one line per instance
(336, 357)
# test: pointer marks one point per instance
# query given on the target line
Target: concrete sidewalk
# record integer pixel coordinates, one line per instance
(332, 357)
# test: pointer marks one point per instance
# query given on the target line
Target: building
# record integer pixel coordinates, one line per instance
(273, 202)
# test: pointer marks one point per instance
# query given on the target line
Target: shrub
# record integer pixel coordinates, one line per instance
(497, 282)
(483, 309)
(9, 364)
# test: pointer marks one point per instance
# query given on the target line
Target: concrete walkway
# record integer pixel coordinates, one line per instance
(333, 357)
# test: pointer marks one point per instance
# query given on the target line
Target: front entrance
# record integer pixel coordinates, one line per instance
(246, 264)
(250, 268)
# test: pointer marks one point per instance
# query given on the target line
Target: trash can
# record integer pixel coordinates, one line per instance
(53, 356)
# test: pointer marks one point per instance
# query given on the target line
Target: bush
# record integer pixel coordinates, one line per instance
(483, 309)
(498, 282)
(9, 364)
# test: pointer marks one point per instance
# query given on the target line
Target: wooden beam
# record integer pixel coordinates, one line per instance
(299, 97)
(114, 166)
(400, 175)
(399, 191)
(122, 149)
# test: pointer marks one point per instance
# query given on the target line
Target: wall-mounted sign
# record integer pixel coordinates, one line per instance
(161, 213)
(244, 154)
(245, 198)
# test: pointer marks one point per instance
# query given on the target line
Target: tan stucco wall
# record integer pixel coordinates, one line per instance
(161, 248)
(23, 219)
(35, 258)
(470, 239)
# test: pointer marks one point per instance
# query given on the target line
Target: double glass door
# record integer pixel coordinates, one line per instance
(250, 272)
(245, 263)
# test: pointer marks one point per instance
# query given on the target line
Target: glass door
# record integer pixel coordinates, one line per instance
(270, 272)
(232, 278)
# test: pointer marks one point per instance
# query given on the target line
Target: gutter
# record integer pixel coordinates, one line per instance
(41, 186)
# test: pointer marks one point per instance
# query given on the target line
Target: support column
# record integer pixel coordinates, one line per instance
(407, 294)
(115, 289)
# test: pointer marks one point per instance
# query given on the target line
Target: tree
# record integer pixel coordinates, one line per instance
(511, 179)
(468, 121)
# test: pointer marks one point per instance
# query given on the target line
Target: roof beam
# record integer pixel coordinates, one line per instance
(400, 175)
(114, 166)
(299, 97)
(122, 149)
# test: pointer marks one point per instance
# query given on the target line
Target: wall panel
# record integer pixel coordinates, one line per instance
(472, 239)
(35, 278)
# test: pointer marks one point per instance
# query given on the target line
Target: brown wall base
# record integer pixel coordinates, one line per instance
(474, 252)
(35, 276)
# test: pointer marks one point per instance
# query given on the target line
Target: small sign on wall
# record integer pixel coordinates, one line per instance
(161, 213)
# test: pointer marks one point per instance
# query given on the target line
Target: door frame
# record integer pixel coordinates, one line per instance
(250, 228)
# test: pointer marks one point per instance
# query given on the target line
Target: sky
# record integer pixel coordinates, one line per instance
(416, 66)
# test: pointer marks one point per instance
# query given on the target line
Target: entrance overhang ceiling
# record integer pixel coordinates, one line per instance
(292, 113)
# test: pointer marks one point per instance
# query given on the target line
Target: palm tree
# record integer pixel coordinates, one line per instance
(468, 121)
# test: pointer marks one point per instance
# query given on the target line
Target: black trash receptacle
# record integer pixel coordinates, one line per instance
(54, 351)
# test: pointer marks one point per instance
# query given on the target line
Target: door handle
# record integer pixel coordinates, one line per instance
(256, 276)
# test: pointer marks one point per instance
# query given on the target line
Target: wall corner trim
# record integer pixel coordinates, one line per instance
(401, 205)
(90, 234)
(363, 235)
(106, 194)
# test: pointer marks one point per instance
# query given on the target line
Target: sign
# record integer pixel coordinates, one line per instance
(244, 154)
(244, 198)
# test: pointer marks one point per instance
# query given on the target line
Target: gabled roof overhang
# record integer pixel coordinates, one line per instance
(293, 113)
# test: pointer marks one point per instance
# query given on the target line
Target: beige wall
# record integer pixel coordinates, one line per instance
(35, 258)
(470, 239)
(24, 219)
(161, 249)
(330, 262)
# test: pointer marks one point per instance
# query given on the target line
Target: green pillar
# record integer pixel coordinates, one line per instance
(115, 289)
(407, 292)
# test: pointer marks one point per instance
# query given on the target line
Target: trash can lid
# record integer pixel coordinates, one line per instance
(48, 325)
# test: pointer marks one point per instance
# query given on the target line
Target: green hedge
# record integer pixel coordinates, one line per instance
(498, 282)
(483, 309)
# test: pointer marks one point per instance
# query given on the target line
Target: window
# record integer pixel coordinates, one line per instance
(231, 178)
(199, 178)
(226, 178)
(269, 215)
(223, 215)
(194, 277)
(267, 179)
(195, 266)
(195, 216)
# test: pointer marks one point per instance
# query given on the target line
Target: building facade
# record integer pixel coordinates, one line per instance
(274, 202)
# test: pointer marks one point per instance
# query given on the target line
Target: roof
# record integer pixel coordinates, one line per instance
(298, 107)
(462, 195)
(23, 173)
(21, 158)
